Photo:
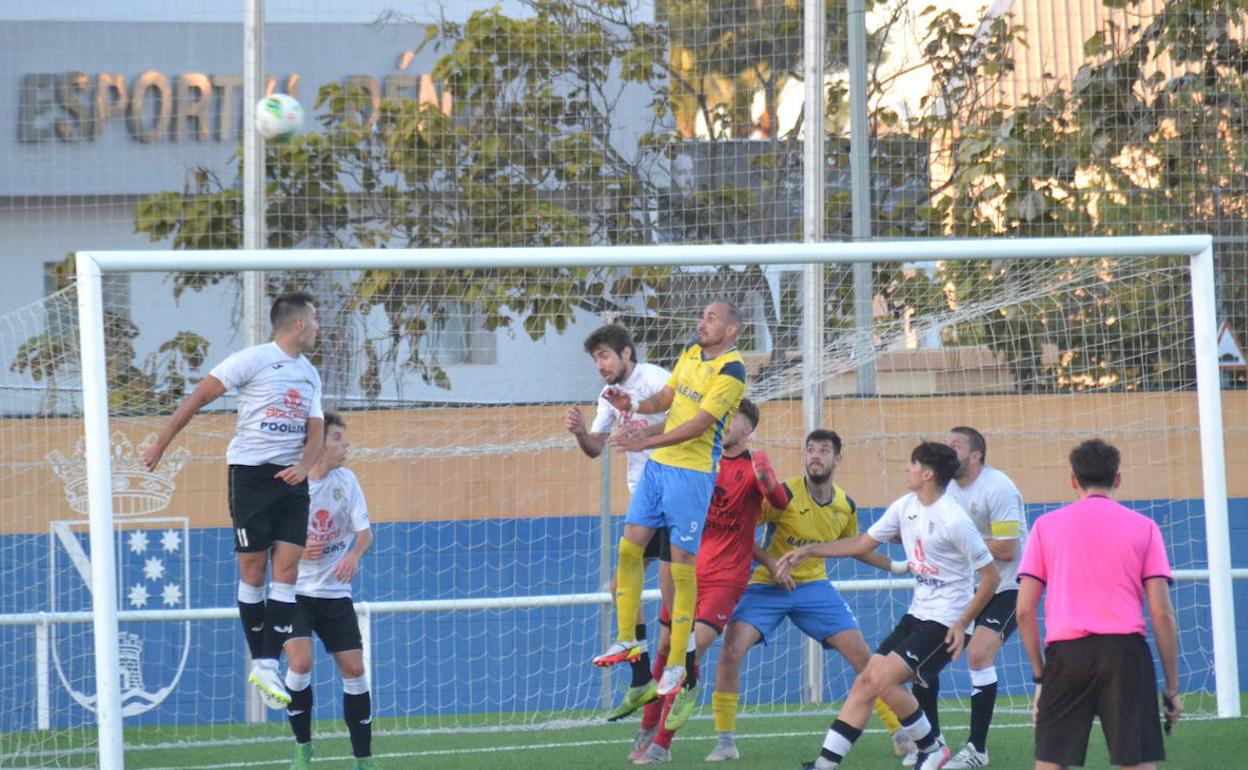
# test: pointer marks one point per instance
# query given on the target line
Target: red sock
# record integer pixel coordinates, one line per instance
(653, 715)
(664, 738)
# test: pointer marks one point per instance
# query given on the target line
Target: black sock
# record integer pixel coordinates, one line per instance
(641, 666)
(299, 714)
(927, 698)
(277, 627)
(357, 712)
(846, 733)
(983, 701)
(691, 669)
(252, 616)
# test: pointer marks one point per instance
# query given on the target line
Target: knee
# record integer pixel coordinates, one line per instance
(872, 681)
(731, 655)
(351, 669)
(297, 662)
(979, 656)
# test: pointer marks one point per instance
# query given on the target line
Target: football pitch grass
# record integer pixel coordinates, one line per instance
(784, 741)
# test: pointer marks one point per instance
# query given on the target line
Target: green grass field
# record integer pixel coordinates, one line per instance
(780, 741)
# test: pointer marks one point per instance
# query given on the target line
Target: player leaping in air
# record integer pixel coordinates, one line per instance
(279, 406)
(677, 482)
(615, 357)
(728, 550)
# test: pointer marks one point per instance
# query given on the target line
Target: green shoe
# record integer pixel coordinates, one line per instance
(365, 764)
(682, 708)
(635, 698)
(303, 757)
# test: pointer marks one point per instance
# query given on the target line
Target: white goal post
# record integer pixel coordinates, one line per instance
(93, 265)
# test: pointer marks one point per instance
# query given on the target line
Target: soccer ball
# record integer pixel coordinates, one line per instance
(278, 117)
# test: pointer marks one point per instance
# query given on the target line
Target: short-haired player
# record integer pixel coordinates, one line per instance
(276, 442)
(338, 537)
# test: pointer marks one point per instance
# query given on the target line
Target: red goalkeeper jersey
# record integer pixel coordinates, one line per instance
(727, 549)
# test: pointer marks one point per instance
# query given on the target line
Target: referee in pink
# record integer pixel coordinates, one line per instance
(1096, 562)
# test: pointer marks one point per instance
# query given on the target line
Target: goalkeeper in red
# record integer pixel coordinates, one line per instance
(728, 551)
(678, 480)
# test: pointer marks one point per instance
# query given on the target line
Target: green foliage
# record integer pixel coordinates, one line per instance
(158, 382)
(1148, 138)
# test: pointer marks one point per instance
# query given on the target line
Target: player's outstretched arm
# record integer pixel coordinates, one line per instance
(768, 482)
(858, 546)
(208, 390)
(621, 400)
(877, 560)
(639, 442)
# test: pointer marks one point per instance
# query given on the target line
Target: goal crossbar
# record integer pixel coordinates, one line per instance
(92, 265)
(634, 256)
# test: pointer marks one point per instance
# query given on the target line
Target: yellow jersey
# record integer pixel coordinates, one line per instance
(805, 521)
(714, 385)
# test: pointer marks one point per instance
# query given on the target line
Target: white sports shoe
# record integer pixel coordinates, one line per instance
(272, 690)
(672, 680)
(910, 758)
(655, 755)
(934, 758)
(645, 736)
(968, 759)
(724, 751)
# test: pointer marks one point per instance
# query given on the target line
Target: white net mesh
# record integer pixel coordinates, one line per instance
(547, 122)
(478, 493)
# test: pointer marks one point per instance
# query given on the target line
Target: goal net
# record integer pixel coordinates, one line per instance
(482, 598)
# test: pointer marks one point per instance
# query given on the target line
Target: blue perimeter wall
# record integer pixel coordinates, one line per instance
(436, 664)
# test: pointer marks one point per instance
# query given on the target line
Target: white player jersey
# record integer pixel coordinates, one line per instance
(944, 551)
(644, 382)
(337, 512)
(996, 508)
(277, 395)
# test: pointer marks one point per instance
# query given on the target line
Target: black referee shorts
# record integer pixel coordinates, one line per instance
(266, 510)
(1105, 675)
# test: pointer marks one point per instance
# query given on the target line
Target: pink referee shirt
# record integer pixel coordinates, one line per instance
(1093, 557)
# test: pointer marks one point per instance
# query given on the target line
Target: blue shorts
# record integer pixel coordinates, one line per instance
(676, 498)
(815, 607)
